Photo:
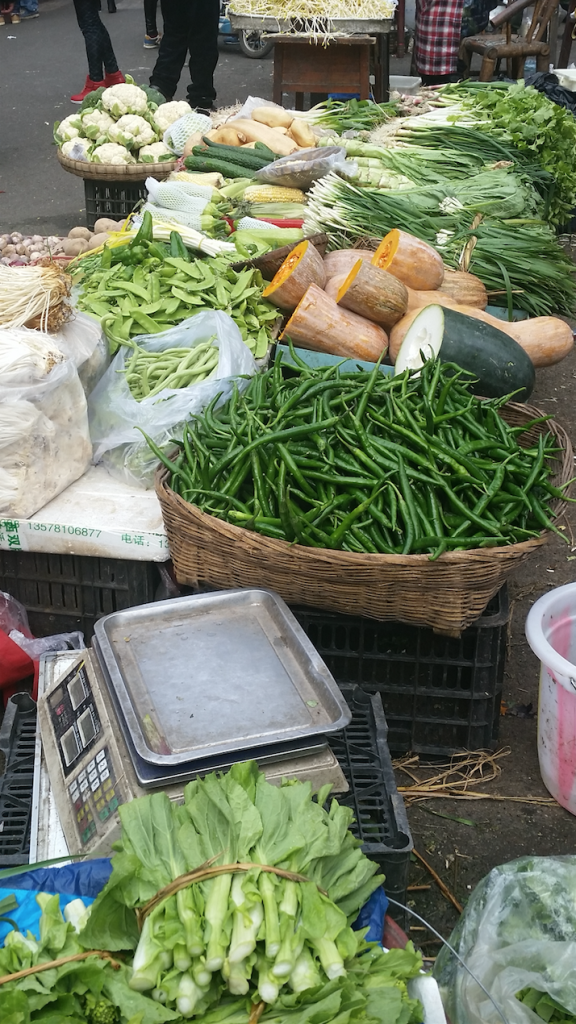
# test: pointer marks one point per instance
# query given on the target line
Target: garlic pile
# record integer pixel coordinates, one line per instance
(16, 248)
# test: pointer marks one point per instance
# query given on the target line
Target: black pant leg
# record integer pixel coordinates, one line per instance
(150, 17)
(203, 47)
(98, 44)
(173, 47)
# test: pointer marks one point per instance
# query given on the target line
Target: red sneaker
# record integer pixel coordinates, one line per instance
(116, 78)
(89, 86)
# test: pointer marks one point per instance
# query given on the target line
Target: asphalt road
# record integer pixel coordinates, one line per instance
(42, 63)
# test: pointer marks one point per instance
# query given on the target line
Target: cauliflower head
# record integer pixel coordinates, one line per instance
(124, 99)
(77, 149)
(167, 113)
(96, 123)
(154, 154)
(112, 153)
(132, 131)
(69, 128)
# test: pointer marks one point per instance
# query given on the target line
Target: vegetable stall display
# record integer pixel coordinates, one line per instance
(236, 905)
(364, 462)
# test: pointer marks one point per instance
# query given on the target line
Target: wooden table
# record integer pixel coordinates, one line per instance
(303, 65)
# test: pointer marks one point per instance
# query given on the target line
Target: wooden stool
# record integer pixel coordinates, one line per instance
(303, 65)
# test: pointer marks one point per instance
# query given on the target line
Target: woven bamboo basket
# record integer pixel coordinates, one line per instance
(115, 172)
(448, 594)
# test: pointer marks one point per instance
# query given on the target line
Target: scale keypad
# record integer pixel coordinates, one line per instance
(94, 794)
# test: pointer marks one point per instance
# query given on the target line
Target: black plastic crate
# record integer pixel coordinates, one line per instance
(63, 593)
(440, 694)
(17, 746)
(381, 820)
(114, 199)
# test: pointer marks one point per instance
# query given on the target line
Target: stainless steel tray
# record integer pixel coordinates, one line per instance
(197, 677)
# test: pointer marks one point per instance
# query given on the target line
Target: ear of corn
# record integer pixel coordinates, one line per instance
(273, 194)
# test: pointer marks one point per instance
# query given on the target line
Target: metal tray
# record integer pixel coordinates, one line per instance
(293, 26)
(196, 677)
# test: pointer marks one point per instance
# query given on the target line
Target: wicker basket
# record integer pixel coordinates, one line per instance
(115, 172)
(448, 594)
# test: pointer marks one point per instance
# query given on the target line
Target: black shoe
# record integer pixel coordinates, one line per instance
(206, 107)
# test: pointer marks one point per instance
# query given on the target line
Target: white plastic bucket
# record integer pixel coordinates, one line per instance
(551, 633)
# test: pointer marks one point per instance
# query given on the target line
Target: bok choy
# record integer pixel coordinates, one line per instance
(250, 933)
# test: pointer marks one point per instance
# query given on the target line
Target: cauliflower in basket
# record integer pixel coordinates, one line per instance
(124, 99)
(132, 131)
(154, 154)
(77, 149)
(167, 113)
(112, 153)
(69, 128)
(96, 123)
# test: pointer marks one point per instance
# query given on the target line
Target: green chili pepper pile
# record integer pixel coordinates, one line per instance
(145, 287)
(149, 373)
(366, 462)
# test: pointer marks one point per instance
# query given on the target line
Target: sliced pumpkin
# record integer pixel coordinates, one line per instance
(374, 294)
(411, 260)
(301, 268)
(318, 323)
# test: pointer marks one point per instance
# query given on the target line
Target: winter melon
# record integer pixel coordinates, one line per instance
(498, 362)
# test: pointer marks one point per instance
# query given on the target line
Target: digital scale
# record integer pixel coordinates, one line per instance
(172, 690)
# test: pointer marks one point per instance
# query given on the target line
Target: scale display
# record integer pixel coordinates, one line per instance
(75, 718)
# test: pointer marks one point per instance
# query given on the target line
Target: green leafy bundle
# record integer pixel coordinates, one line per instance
(250, 933)
(528, 120)
(89, 991)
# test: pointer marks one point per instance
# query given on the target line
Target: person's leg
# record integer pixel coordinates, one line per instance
(98, 46)
(150, 7)
(173, 48)
(89, 24)
(203, 46)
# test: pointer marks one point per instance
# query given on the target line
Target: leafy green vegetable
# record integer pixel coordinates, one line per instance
(545, 1007)
(254, 934)
(346, 115)
(89, 991)
(527, 119)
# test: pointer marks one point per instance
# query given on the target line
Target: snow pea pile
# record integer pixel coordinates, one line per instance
(149, 373)
(145, 287)
(368, 463)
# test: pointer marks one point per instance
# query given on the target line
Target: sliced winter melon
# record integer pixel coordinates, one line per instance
(498, 362)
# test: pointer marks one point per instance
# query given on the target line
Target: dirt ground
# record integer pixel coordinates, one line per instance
(462, 854)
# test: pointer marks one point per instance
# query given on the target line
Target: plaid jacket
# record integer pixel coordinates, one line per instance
(437, 36)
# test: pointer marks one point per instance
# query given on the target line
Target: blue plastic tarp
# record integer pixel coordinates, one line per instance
(86, 878)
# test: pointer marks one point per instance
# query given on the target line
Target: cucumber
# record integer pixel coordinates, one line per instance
(236, 154)
(209, 163)
(261, 147)
(498, 362)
